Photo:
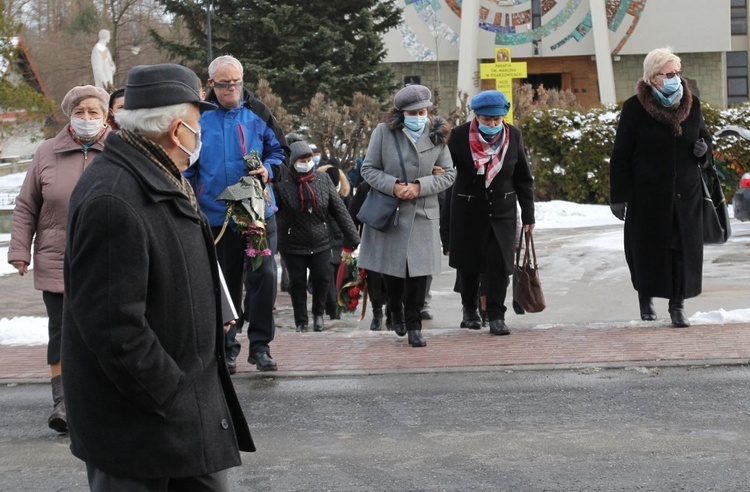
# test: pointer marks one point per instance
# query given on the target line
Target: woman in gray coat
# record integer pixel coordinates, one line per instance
(407, 253)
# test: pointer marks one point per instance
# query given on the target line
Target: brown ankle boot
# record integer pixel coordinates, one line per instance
(57, 420)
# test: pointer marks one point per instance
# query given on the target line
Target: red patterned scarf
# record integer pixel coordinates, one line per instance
(307, 198)
(486, 160)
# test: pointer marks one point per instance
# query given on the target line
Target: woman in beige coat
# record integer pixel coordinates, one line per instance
(41, 214)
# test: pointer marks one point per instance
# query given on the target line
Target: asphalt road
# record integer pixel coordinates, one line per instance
(596, 430)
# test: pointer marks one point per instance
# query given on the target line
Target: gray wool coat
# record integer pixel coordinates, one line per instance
(415, 243)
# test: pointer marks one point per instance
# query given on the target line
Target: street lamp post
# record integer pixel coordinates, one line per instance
(209, 12)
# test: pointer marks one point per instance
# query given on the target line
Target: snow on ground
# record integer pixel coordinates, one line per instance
(549, 215)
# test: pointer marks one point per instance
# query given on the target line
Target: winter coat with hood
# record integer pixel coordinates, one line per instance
(345, 192)
(306, 232)
(147, 390)
(42, 207)
(413, 244)
(478, 212)
(654, 171)
(221, 164)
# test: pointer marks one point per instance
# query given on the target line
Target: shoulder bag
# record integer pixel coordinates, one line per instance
(527, 288)
(716, 227)
(379, 209)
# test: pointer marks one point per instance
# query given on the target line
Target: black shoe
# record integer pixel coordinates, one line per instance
(498, 327)
(677, 313)
(389, 324)
(416, 339)
(471, 320)
(376, 324)
(399, 325)
(334, 316)
(231, 365)
(263, 361)
(301, 328)
(517, 308)
(647, 308)
(483, 315)
(426, 315)
(317, 323)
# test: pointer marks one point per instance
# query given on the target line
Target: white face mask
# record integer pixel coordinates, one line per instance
(304, 167)
(194, 155)
(86, 128)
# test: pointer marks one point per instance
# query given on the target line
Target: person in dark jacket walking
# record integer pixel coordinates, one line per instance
(655, 186)
(492, 177)
(307, 203)
(150, 401)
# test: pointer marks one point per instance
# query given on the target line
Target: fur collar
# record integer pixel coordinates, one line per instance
(345, 186)
(673, 118)
(440, 130)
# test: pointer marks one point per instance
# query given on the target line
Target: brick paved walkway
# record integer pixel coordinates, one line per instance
(366, 352)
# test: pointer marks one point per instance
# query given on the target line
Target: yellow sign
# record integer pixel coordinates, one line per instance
(504, 71)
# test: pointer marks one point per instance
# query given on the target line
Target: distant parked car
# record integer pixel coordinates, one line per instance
(741, 200)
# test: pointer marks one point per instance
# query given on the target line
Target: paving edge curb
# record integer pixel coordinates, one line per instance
(697, 364)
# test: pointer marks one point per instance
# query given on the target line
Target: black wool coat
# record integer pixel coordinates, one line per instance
(477, 212)
(654, 171)
(306, 232)
(147, 390)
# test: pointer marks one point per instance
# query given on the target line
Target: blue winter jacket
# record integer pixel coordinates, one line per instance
(221, 164)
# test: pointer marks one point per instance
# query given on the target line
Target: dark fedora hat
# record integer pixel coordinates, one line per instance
(166, 84)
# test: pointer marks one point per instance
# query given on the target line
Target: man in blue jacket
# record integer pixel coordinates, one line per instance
(240, 125)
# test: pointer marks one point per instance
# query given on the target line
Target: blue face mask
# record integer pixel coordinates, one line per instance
(415, 123)
(671, 85)
(490, 130)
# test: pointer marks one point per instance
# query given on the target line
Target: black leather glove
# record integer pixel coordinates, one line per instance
(618, 210)
(700, 148)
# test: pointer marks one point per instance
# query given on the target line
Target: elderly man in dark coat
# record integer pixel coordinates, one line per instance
(150, 401)
(655, 186)
(492, 177)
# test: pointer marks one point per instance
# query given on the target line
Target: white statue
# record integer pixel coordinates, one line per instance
(102, 63)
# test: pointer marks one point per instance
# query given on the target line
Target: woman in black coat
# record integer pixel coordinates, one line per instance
(655, 186)
(492, 177)
(307, 203)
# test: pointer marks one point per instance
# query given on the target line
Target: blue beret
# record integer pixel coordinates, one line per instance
(490, 103)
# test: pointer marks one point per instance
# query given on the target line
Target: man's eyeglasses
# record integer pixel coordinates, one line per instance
(228, 85)
(670, 75)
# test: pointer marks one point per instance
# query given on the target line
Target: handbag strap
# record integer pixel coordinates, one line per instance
(400, 157)
(530, 239)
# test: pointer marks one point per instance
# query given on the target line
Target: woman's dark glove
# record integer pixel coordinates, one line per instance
(700, 148)
(618, 210)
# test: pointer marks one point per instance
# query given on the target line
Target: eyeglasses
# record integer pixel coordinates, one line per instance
(670, 75)
(228, 85)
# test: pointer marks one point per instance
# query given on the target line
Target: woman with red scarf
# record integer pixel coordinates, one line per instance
(492, 177)
(41, 214)
(307, 203)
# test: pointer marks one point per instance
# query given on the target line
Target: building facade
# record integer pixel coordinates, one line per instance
(596, 53)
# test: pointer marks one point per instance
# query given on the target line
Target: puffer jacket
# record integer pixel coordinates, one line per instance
(42, 207)
(306, 232)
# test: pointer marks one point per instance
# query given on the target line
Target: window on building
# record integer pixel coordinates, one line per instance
(737, 92)
(739, 16)
(536, 13)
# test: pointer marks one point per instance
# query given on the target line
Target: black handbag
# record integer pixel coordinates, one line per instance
(716, 226)
(380, 210)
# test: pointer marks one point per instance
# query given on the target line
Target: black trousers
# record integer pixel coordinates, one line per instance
(297, 266)
(260, 284)
(260, 295)
(494, 283)
(406, 295)
(101, 481)
(332, 301)
(54, 304)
